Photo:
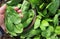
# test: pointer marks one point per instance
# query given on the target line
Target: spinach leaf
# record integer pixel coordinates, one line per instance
(54, 6)
(13, 2)
(56, 20)
(44, 24)
(37, 23)
(57, 30)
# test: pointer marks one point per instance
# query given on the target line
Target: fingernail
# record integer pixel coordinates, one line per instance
(19, 11)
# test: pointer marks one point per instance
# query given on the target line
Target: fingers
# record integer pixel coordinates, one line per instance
(17, 10)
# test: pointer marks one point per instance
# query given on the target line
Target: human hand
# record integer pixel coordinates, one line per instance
(2, 13)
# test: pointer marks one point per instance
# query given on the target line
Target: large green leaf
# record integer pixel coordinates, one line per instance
(54, 6)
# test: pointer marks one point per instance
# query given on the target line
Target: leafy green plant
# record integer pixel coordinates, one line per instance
(47, 20)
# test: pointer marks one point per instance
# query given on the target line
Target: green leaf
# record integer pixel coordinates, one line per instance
(13, 2)
(19, 5)
(12, 18)
(57, 30)
(46, 33)
(12, 33)
(48, 5)
(41, 6)
(28, 38)
(53, 37)
(56, 20)
(58, 10)
(35, 2)
(37, 37)
(44, 12)
(31, 13)
(19, 28)
(51, 28)
(44, 24)
(54, 6)
(17, 21)
(40, 14)
(9, 25)
(27, 22)
(31, 33)
(37, 23)
(25, 10)
(49, 20)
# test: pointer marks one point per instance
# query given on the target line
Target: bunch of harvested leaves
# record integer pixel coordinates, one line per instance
(47, 22)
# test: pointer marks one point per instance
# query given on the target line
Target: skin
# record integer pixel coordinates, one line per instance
(2, 13)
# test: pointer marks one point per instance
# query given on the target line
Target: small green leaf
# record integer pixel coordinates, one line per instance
(49, 20)
(48, 5)
(19, 5)
(37, 37)
(17, 21)
(55, 20)
(44, 23)
(41, 6)
(57, 30)
(28, 38)
(44, 12)
(20, 28)
(40, 14)
(31, 33)
(37, 23)
(12, 33)
(35, 2)
(46, 33)
(51, 28)
(27, 22)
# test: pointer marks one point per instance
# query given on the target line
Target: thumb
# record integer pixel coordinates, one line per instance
(4, 7)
